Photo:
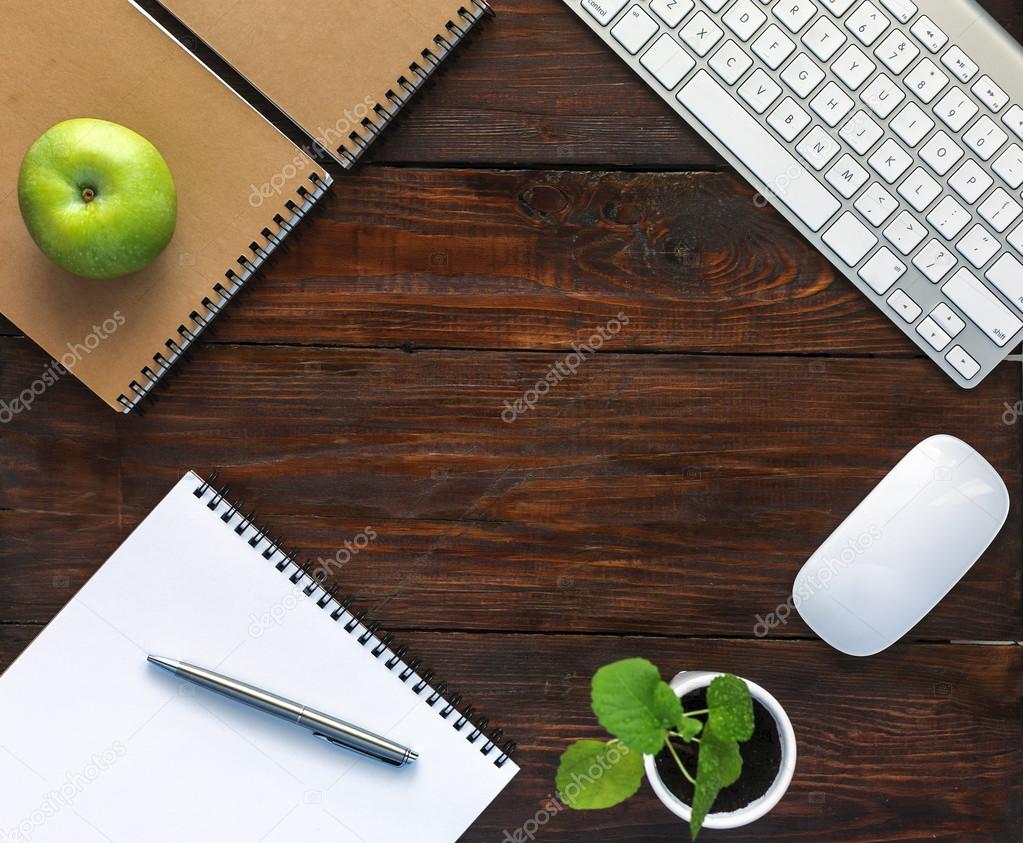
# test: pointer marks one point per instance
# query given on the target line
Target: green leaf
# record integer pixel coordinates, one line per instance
(635, 705)
(731, 708)
(719, 766)
(593, 774)
(689, 728)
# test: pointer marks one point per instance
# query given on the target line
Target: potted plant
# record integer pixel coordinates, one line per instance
(686, 737)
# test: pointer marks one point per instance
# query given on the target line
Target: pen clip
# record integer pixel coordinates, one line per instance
(356, 749)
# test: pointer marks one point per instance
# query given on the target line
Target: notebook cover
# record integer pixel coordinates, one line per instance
(341, 69)
(107, 59)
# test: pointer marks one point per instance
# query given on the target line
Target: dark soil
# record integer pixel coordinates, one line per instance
(761, 760)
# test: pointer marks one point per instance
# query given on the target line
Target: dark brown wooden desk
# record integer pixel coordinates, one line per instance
(655, 503)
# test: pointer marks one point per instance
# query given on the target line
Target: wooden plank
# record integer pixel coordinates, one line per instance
(634, 484)
(919, 742)
(539, 88)
(535, 260)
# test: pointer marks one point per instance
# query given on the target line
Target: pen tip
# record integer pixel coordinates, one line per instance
(412, 756)
(167, 664)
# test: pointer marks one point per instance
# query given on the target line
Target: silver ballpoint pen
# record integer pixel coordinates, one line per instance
(323, 726)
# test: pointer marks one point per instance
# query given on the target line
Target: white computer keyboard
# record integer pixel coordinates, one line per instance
(888, 132)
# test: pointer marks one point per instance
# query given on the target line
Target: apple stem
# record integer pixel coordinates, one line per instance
(88, 194)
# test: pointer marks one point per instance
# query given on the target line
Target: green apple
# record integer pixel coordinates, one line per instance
(97, 198)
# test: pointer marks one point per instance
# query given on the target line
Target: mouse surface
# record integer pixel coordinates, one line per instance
(903, 548)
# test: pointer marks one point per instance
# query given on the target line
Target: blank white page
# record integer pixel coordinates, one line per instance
(98, 746)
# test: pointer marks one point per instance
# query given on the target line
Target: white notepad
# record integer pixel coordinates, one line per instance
(97, 746)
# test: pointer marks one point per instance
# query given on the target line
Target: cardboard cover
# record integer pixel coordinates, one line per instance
(332, 64)
(234, 173)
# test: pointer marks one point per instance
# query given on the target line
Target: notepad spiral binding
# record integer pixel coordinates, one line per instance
(421, 70)
(223, 291)
(367, 631)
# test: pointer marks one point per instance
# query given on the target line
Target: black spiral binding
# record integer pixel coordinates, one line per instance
(366, 631)
(222, 292)
(420, 72)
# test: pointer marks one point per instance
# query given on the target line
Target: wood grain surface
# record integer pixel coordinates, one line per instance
(657, 502)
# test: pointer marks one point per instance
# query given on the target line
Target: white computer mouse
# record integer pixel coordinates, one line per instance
(903, 548)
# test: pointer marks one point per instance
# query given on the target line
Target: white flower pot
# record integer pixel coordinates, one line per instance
(688, 681)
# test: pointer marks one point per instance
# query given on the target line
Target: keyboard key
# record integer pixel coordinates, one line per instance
(929, 34)
(837, 7)
(1000, 210)
(935, 261)
(919, 190)
(850, 239)
(962, 66)
(730, 62)
(981, 307)
(773, 46)
(760, 91)
(1013, 118)
(926, 80)
(744, 19)
(861, 132)
(847, 176)
(1009, 166)
(853, 67)
(882, 96)
(912, 124)
(902, 10)
(897, 51)
(701, 33)
(901, 303)
(788, 119)
(936, 338)
(671, 11)
(818, 148)
(831, 104)
(962, 362)
(876, 204)
(970, 181)
(941, 153)
(803, 75)
(990, 94)
(978, 246)
(949, 218)
(905, 233)
(667, 61)
(634, 30)
(882, 271)
(890, 161)
(1016, 239)
(947, 319)
(604, 10)
(751, 143)
(956, 109)
(715, 5)
(1007, 275)
(985, 138)
(824, 39)
(795, 14)
(867, 23)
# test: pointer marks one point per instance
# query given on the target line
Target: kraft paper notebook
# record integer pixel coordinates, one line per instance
(340, 69)
(98, 746)
(107, 59)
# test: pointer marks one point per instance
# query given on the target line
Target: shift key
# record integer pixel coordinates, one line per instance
(783, 176)
(980, 305)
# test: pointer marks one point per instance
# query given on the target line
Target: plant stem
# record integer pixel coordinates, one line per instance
(694, 713)
(681, 766)
(683, 737)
